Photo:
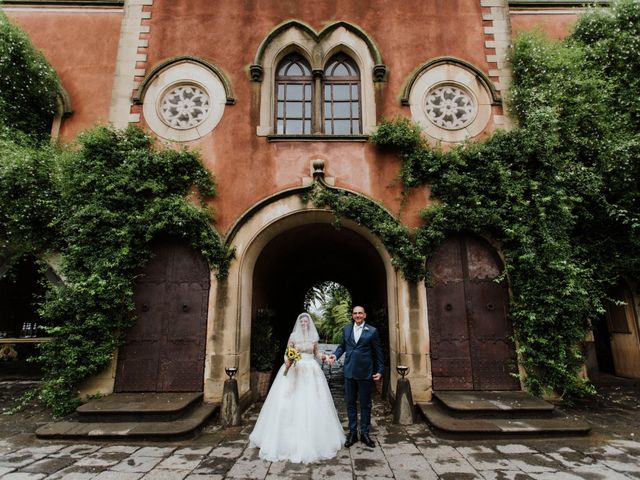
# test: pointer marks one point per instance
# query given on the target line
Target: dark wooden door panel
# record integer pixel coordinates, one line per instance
(164, 350)
(471, 346)
(138, 368)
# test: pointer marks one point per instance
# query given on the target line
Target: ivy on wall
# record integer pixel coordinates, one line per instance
(395, 236)
(28, 90)
(117, 193)
(560, 193)
(28, 84)
(99, 204)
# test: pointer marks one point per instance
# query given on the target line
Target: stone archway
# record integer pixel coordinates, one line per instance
(277, 225)
(295, 260)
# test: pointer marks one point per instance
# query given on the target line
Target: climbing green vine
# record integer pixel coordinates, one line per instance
(560, 193)
(393, 234)
(28, 84)
(117, 194)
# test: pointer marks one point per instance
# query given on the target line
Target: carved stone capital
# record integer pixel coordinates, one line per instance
(379, 72)
(256, 72)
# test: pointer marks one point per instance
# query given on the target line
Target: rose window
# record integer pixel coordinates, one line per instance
(184, 106)
(450, 107)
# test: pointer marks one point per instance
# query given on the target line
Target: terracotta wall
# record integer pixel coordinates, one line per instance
(228, 34)
(555, 26)
(81, 46)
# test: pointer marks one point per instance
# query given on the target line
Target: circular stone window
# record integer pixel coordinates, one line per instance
(184, 102)
(184, 106)
(450, 102)
(450, 107)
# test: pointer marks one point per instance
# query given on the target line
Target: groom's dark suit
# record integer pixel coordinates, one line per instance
(362, 360)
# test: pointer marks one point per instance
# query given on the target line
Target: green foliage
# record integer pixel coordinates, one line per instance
(28, 84)
(103, 203)
(366, 212)
(334, 302)
(560, 193)
(28, 197)
(263, 345)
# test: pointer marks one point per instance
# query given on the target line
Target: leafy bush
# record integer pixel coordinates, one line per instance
(28, 84)
(560, 193)
(117, 193)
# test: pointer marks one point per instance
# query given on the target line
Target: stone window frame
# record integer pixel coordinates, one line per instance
(444, 71)
(184, 71)
(353, 86)
(63, 110)
(318, 49)
(286, 82)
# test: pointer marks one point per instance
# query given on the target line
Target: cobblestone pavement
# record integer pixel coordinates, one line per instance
(610, 452)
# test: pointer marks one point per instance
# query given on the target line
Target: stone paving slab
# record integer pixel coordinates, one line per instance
(401, 452)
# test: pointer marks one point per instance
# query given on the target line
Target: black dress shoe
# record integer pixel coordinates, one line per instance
(364, 438)
(351, 439)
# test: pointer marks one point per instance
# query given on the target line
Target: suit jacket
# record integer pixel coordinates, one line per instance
(362, 359)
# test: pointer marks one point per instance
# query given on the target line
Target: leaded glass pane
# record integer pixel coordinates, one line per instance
(341, 92)
(341, 110)
(294, 127)
(294, 92)
(341, 127)
(294, 70)
(294, 110)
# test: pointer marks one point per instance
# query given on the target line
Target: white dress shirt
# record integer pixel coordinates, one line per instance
(357, 331)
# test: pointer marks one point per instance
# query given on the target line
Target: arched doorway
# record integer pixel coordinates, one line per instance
(616, 336)
(261, 235)
(165, 349)
(471, 346)
(302, 256)
(22, 289)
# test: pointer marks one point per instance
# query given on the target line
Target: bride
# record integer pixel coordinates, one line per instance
(298, 421)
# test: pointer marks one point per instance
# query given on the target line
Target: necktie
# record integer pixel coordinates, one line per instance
(357, 331)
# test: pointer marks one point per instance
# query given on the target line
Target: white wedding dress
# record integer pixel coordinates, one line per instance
(298, 421)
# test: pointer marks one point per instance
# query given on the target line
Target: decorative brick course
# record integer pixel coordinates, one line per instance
(131, 63)
(497, 30)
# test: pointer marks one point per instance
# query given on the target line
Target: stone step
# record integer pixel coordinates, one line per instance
(139, 407)
(501, 404)
(556, 424)
(148, 430)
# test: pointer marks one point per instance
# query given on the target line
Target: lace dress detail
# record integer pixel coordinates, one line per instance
(298, 421)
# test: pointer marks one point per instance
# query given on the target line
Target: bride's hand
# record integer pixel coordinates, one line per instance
(287, 363)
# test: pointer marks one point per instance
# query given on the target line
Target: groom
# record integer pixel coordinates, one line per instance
(363, 362)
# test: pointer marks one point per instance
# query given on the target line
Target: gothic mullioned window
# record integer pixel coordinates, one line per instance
(342, 97)
(325, 102)
(294, 91)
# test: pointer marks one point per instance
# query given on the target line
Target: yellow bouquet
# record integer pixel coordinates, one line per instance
(293, 356)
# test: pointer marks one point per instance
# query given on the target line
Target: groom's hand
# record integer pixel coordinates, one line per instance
(377, 377)
(331, 358)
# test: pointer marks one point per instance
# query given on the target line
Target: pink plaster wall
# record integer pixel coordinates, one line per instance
(555, 26)
(82, 48)
(228, 33)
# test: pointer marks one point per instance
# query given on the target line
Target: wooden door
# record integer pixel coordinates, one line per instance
(470, 331)
(164, 351)
(623, 333)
